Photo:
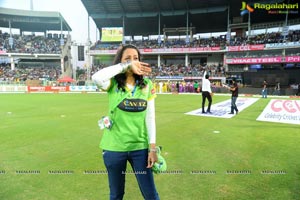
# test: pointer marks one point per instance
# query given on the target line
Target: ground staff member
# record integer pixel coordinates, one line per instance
(130, 134)
(206, 92)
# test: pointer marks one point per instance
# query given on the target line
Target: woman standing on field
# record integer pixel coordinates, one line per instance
(130, 133)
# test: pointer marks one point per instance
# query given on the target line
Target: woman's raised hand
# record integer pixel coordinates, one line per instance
(140, 68)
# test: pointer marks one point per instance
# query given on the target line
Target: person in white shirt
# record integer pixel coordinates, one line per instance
(206, 92)
(160, 87)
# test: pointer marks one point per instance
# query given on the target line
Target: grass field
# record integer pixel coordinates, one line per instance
(49, 151)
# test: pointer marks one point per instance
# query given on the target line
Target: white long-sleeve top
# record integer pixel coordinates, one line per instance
(103, 79)
(206, 87)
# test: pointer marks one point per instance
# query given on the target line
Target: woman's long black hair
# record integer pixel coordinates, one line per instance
(121, 78)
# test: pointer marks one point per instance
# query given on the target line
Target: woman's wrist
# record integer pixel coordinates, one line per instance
(125, 66)
(152, 148)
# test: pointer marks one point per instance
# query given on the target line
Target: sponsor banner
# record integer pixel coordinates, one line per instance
(246, 48)
(2, 51)
(95, 52)
(222, 109)
(277, 59)
(91, 88)
(281, 111)
(36, 89)
(196, 78)
(162, 50)
(282, 45)
(48, 88)
(178, 50)
(169, 77)
(8, 88)
(292, 59)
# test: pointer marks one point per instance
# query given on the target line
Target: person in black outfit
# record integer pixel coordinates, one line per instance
(264, 91)
(234, 95)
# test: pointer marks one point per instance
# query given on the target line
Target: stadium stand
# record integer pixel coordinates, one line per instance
(33, 57)
(251, 58)
(181, 53)
(30, 44)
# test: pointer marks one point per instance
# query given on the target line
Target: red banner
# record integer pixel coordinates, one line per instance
(48, 88)
(177, 50)
(247, 48)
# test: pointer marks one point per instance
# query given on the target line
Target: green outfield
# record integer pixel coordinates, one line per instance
(49, 151)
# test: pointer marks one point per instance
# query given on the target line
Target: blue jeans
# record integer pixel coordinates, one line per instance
(116, 162)
(264, 93)
(233, 104)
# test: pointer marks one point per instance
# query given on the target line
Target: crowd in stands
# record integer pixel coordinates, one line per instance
(40, 44)
(190, 70)
(176, 84)
(29, 44)
(170, 43)
(265, 38)
(21, 74)
(179, 70)
(261, 54)
(254, 54)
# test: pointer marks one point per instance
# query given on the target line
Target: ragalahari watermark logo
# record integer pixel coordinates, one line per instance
(246, 8)
(270, 8)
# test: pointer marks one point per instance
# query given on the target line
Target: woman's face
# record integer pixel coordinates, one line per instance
(130, 55)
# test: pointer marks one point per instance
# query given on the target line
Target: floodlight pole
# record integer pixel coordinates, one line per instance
(187, 25)
(158, 40)
(10, 40)
(284, 29)
(249, 25)
(228, 36)
(188, 35)
(123, 39)
(88, 45)
(187, 38)
(62, 63)
(159, 23)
